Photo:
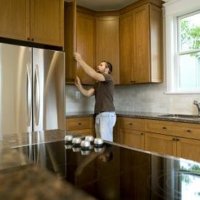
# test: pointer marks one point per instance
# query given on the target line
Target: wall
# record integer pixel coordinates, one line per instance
(142, 98)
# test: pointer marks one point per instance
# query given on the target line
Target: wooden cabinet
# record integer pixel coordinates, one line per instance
(85, 43)
(79, 34)
(140, 33)
(81, 125)
(163, 144)
(131, 132)
(173, 138)
(39, 21)
(13, 19)
(107, 42)
(126, 47)
(47, 21)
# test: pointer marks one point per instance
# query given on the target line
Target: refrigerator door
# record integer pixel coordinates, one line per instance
(48, 90)
(15, 89)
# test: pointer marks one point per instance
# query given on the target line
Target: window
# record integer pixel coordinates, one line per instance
(187, 62)
(182, 46)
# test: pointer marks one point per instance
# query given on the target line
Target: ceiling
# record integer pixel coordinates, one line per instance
(104, 5)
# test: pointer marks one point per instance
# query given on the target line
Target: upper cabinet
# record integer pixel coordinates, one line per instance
(107, 42)
(130, 39)
(141, 36)
(47, 21)
(13, 19)
(85, 42)
(39, 21)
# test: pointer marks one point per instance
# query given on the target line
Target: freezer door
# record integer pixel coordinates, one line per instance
(48, 90)
(15, 89)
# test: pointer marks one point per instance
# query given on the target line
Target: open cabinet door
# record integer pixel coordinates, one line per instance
(70, 40)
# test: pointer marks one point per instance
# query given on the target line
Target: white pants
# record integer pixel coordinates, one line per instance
(104, 124)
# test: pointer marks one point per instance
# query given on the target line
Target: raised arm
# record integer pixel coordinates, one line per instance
(85, 92)
(88, 70)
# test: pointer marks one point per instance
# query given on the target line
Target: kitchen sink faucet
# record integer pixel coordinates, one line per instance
(198, 106)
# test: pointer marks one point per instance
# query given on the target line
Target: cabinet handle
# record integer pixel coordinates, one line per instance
(189, 131)
(79, 123)
(130, 124)
(28, 38)
(177, 139)
(32, 39)
(174, 139)
(164, 127)
(141, 133)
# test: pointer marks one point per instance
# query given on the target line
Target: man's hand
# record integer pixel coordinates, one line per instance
(77, 82)
(77, 57)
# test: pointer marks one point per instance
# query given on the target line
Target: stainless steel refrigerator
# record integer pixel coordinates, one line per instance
(32, 89)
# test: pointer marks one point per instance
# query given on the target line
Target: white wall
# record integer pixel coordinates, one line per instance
(142, 98)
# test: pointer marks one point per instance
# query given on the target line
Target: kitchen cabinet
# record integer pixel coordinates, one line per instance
(47, 21)
(107, 41)
(131, 132)
(158, 143)
(80, 125)
(85, 42)
(173, 138)
(142, 63)
(39, 21)
(13, 19)
(126, 47)
(79, 34)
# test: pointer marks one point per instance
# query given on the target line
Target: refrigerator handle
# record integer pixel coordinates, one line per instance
(37, 95)
(28, 93)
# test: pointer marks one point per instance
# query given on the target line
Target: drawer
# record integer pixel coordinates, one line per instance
(79, 123)
(132, 123)
(186, 130)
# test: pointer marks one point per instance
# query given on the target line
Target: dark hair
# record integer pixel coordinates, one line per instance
(108, 65)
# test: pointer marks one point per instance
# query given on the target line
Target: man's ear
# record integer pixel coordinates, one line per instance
(107, 70)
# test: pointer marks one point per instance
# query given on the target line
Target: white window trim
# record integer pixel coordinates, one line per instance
(173, 9)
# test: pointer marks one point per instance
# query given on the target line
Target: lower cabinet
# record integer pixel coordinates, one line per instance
(80, 125)
(130, 132)
(163, 144)
(164, 137)
(132, 138)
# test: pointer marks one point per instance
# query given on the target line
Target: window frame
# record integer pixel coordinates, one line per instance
(172, 10)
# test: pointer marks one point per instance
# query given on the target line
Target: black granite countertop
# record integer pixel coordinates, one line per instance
(141, 115)
(20, 179)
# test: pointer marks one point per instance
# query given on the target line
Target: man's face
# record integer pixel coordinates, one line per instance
(101, 67)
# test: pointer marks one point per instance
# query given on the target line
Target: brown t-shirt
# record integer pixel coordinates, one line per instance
(104, 95)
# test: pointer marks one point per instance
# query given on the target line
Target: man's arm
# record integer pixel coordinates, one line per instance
(88, 70)
(85, 92)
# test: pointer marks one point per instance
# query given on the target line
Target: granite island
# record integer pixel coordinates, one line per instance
(116, 172)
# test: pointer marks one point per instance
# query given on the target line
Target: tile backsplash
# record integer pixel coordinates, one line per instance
(140, 98)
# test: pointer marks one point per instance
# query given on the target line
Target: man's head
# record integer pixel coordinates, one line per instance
(104, 67)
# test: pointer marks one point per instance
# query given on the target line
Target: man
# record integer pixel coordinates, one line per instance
(103, 90)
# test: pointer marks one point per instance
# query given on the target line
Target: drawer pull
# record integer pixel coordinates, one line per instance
(189, 131)
(79, 123)
(174, 139)
(164, 127)
(130, 124)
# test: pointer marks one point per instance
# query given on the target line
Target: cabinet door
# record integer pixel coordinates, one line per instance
(141, 60)
(85, 44)
(70, 40)
(188, 148)
(14, 19)
(126, 47)
(160, 143)
(107, 42)
(47, 21)
(132, 138)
